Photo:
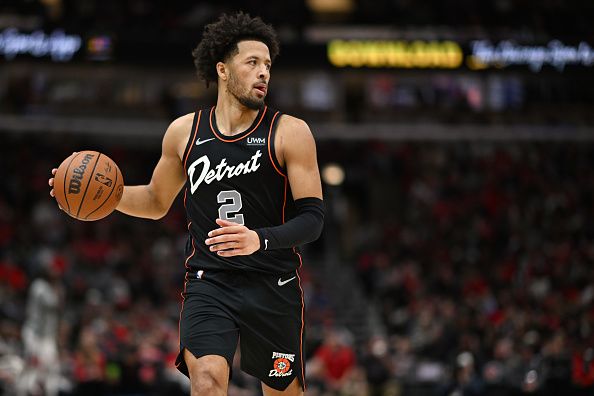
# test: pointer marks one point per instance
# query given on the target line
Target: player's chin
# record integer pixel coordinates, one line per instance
(253, 102)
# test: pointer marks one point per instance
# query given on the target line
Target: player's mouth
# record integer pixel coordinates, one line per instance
(261, 88)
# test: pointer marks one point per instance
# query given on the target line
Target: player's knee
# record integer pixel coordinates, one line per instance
(209, 375)
(206, 382)
(294, 389)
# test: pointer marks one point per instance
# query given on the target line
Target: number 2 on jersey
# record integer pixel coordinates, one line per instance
(228, 211)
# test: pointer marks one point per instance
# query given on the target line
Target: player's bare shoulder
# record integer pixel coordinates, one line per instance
(292, 127)
(178, 133)
(180, 128)
(293, 134)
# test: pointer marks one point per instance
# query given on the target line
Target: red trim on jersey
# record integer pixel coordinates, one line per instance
(183, 294)
(270, 149)
(193, 248)
(239, 138)
(185, 284)
(285, 198)
(192, 141)
(302, 322)
(285, 185)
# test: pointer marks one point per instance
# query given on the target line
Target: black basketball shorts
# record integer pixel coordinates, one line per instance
(263, 312)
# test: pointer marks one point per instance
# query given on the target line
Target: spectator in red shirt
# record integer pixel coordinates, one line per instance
(334, 359)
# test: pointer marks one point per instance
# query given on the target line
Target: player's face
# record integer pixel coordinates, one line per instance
(249, 74)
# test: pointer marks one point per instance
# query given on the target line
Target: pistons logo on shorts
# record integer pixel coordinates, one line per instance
(282, 364)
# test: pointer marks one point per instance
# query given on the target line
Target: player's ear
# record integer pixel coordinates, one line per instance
(222, 71)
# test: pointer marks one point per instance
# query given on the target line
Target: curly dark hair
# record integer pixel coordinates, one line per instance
(220, 38)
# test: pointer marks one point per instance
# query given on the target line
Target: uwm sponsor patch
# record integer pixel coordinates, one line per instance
(256, 141)
(281, 364)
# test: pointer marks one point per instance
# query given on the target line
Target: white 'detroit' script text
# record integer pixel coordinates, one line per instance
(220, 171)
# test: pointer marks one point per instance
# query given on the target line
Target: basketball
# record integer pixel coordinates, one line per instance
(88, 185)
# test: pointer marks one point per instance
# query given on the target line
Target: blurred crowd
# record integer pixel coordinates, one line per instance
(478, 257)
(341, 96)
(551, 16)
(149, 33)
(117, 282)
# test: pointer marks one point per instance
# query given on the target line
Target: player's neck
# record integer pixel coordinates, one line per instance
(233, 117)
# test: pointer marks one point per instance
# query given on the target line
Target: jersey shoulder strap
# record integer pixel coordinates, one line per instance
(192, 138)
(274, 116)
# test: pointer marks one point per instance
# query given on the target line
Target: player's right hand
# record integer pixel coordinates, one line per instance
(51, 182)
(232, 239)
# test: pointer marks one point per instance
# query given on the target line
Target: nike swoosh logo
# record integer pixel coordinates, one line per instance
(199, 142)
(265, 244)
(284, 282)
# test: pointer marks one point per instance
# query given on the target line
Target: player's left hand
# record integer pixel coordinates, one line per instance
(232, 239)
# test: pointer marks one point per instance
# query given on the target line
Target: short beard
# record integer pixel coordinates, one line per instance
(250, 103)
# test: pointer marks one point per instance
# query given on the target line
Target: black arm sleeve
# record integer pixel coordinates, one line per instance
(305, 227)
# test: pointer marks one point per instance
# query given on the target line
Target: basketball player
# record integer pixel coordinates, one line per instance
(41, 373)
(252, 195)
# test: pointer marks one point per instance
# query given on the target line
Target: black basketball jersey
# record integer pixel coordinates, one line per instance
(237, 178)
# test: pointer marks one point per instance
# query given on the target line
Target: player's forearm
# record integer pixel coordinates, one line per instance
(141, 201)
(305, 227)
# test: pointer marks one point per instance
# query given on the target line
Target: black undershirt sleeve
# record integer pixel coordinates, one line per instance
(305, 227)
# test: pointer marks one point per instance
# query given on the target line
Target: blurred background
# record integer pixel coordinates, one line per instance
(456, 145)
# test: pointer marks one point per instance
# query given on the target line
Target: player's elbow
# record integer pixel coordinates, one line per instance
(313, 212)
(159, 210)
(159, 206)
(316, 227)
(318, 230)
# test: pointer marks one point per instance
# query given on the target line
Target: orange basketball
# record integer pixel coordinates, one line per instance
(88, 185)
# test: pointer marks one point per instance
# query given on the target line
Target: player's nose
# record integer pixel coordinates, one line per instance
(263, 73)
